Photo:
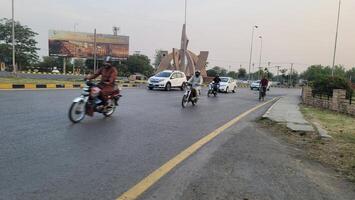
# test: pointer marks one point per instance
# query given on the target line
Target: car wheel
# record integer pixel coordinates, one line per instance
(150, 88)
(251, 88)
(168, 87)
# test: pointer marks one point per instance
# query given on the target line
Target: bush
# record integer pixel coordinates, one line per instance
(325, 85)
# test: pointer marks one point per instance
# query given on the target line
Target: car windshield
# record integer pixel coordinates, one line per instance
(163, 74)
(224, 79)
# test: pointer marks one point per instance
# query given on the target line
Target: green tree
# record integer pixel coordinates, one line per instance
(351, 74)
(232, 74)
(139, 64)
(48, 63)
(157, 58)
(26, 50)
(242, 73)
(79, 65)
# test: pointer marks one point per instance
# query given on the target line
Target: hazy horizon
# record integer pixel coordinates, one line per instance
(300, 32)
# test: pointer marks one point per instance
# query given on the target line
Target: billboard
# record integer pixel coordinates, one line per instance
(81, 45)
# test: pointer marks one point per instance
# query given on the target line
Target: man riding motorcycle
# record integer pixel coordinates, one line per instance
(263, 87)
(196, 83)
(216, 82)
(108, 77)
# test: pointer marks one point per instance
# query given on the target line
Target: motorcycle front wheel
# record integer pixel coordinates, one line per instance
(184, 101)
(77, 112)
(209, 93)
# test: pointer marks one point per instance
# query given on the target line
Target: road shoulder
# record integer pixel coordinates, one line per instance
(248, 162)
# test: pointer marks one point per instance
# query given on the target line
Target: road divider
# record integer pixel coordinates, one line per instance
(142, 186)
(32, 86)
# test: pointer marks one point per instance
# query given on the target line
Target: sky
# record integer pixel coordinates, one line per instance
(300, 32)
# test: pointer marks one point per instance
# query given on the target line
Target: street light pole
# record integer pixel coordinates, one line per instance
(13, 40)
(261, 52)
(251, 48)
(336, 39)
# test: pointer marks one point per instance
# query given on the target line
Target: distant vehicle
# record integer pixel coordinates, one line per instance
(227, 84)
(275, 83)
(167, 79)
(256, 85)
(55, 70)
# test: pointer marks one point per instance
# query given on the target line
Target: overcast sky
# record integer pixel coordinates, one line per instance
(300, 32)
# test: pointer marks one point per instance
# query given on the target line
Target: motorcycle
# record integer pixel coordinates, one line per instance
(212, 89)
(89, 102)
(188, 96)
(262, 93)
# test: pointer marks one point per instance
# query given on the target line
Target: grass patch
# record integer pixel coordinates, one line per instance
(14, 80)
(337, 153)
(340, 126)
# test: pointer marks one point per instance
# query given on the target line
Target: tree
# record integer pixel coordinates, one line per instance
(242, 73)
(139, 64)
(26, 50)
(232, 74)
(158, 57)
(316, 72)
(217, 70)
(48, 63)
(351, 74)
(79, 65)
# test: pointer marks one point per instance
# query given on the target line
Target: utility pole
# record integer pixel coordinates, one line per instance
(336, 38)
(278, 70)
(290, 79)
(95, 50)
(251, 48)
(64, 65)
(261, 52)
(13, 40)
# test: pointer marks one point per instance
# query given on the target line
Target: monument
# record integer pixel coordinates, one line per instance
(184, 60)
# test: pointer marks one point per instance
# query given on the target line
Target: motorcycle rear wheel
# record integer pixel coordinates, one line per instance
(209, 93)
(76, 115)
(111, 109)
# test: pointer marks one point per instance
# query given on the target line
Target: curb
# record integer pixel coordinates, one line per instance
(10, 86)
(31, 86)
(323, 134)
(271, 107)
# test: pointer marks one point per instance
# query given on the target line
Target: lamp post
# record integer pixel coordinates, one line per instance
(336, 38)
(13, 40)
(251, 47)
(261, 53)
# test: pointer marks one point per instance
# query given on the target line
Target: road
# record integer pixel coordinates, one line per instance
(44, 156)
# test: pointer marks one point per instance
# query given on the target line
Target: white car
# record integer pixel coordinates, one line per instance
(167, 79)
(256, 85)
(227, 84)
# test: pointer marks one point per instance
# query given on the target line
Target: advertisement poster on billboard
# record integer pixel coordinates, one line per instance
(81, 45)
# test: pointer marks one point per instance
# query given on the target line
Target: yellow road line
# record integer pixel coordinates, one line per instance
(151, 179)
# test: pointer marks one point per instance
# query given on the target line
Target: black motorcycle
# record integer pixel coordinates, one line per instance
(213, 89)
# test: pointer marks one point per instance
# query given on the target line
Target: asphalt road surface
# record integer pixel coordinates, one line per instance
(44, 156)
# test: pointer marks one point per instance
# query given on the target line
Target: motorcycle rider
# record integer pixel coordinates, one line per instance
(216, 82)
(108, 77)
(263, 86)
(196, 83)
